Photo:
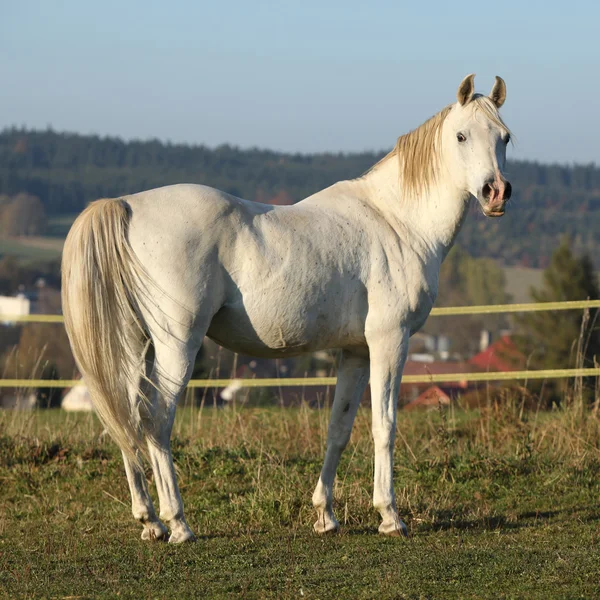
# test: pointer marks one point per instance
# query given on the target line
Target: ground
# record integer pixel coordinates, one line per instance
(500, 503)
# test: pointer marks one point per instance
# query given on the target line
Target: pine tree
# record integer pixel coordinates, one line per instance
(549, 338)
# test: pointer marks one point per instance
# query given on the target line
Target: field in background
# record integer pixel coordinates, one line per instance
(500, 503)
(58, 227)
(35, 249)
(519, 280)
(31, 249)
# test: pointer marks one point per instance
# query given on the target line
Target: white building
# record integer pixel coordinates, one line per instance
(13, 306)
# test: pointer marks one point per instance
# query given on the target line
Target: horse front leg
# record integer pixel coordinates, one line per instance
(353, 375)
(387, 355)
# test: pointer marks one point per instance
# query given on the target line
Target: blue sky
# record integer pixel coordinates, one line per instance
(300, 76)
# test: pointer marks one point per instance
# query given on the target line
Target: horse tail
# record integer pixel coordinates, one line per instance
(101, 284)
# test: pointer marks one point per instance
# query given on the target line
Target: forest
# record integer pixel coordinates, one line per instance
(66, 171)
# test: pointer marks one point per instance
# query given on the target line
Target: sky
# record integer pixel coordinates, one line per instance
(306, 76)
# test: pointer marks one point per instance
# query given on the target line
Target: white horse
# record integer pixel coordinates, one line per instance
(354, 267)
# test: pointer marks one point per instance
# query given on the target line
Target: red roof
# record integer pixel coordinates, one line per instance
(502, 355)
(430, 398)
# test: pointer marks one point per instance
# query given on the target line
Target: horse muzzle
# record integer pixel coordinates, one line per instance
(494, 196)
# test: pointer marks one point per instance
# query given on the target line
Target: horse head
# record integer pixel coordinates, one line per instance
(474, 141)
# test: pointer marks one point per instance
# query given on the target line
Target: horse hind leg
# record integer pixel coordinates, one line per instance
(141, 502)
(172, 369)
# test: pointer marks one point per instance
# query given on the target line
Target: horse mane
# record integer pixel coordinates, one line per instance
(418, 151)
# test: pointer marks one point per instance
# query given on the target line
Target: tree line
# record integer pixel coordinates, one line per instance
(22, 215)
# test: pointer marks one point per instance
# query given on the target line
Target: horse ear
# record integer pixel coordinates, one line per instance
(466, 89)
(498, 93)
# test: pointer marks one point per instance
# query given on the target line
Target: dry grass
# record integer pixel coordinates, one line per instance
(500, 500)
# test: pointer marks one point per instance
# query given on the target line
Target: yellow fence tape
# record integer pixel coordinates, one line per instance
(31, 318)
(512, 308)
(314, 381)
(441, 311)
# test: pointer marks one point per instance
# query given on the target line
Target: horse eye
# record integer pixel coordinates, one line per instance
(507, 138)
(461, 138)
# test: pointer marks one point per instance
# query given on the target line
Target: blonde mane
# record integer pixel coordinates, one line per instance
(418, 151)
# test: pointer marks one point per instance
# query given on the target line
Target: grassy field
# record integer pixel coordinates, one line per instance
(499, 504)
(34, 249)
(31, 249)
(519, 280)
(58, 227)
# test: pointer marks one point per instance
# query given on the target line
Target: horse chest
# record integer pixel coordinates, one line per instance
(402, 289)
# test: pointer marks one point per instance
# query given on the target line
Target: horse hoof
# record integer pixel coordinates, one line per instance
(331, 531)
(398, 529)
(326, 527)
(180, 537)
(155, 532)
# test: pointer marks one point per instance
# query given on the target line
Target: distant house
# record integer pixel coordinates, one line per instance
(410, 391)
(430, 399)
(500, 356)
(30, 301)
(14, 306)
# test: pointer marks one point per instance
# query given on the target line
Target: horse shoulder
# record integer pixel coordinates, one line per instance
(403, 280)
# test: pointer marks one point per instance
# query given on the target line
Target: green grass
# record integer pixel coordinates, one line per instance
(35, 249)
(499, 505)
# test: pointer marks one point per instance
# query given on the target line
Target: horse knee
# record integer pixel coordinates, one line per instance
(338, 436)
(384, 437)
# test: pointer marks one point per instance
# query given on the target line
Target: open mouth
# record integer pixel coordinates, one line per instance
(494, 213)
(495, 198)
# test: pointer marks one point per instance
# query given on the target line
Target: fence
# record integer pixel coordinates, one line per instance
(316, 381)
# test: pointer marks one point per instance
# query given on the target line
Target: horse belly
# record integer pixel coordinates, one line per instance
(286, 331)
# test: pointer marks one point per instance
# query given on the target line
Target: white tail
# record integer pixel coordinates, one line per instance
(100, 278)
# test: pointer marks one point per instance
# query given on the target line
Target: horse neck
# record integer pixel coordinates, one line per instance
(435, 216)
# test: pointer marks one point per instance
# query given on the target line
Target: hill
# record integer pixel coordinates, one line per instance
(65, 171)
